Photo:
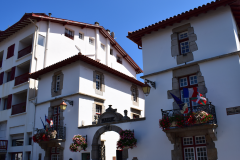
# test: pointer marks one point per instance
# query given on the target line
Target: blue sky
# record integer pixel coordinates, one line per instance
(120, 16)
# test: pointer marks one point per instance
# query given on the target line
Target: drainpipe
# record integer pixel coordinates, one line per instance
(46, 45)
(107, 50)
(35, 57)
(96, 41)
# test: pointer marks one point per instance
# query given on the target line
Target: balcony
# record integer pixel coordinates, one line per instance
(19, 108)
(21, 79)
(3, 145)
(198, 120)
(24, 51)
(57, 134)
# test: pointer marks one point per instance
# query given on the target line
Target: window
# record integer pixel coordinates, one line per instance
(5, 103)
(8, 76)
(55, 153)
(119, 59)
(57, 83)
(80, 35)
(103, 46)
(98, 82)
(28, 155)
(183, 42)
(10, 51)
(135, 116)
(56, 116)
(188, 82)
(69, 33)
(134, 93)
(98, 109)
(194, 148)
(17, 156)
(111, 51)
(91, 41)
(41, 40)
(17, 142)
(30, 141)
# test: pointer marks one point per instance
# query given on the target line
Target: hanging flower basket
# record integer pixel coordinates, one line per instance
(44, 135)
(79, 143)
(126, 140)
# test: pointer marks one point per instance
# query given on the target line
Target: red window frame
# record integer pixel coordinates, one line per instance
(54, 153)
(188, 86)
(180, 41)
(194, 145)
(57, 115)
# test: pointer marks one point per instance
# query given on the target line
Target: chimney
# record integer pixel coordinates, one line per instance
(108, 31)
(96, 23)
(49, 14)
(112, 34)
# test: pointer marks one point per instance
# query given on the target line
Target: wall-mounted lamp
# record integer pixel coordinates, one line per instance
(146, 88)
(63, 105)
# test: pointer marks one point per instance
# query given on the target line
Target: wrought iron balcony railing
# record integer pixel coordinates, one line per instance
(209, 108)
(3, 144)
(21, 79)
(61, 131)
(24, 51)
(19, 108)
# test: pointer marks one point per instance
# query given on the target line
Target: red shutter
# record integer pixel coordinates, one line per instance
(13, 73)
(1, 78)
(9, 104)
(10, 52)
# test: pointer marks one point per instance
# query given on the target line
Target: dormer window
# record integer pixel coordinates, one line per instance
(183, 42)
(119, 59)
(69, 33)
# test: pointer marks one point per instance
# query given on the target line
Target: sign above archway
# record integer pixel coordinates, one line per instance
(111, 115)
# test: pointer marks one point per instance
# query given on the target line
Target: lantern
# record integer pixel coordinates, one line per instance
(146, 89)
(63, 106)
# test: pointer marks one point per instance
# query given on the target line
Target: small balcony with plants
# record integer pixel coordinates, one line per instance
(199, 119)
(25, 46)
(22, 73)
(49, 136)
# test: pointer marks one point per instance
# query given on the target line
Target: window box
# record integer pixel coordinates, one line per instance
(21, 79)
(3, 144)
(18, 108)
(24, 51)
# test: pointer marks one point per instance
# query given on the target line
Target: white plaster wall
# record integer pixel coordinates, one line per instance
(117, 90)
(222, 82)
(215, 36)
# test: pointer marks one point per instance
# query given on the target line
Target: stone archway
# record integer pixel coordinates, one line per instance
(96, 137)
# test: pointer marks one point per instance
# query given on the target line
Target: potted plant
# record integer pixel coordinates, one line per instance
(79, 143)
(180, 120)
(190, 119)
(203, 117)
(127, 140)
(164, 123)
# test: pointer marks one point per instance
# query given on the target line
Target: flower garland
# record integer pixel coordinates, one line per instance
(126, 139)
(78, 142)
(164, 123)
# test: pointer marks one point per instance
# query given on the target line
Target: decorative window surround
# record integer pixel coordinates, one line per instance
(190, 70)
(100, 103)
(175, 48)
(175, 137)
(134, 95)
(54, 90)
(101, 80)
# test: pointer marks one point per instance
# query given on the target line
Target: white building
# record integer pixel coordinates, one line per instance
(35, 42)
(198, 48)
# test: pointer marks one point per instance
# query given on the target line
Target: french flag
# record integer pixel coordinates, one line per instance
(189, 92)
